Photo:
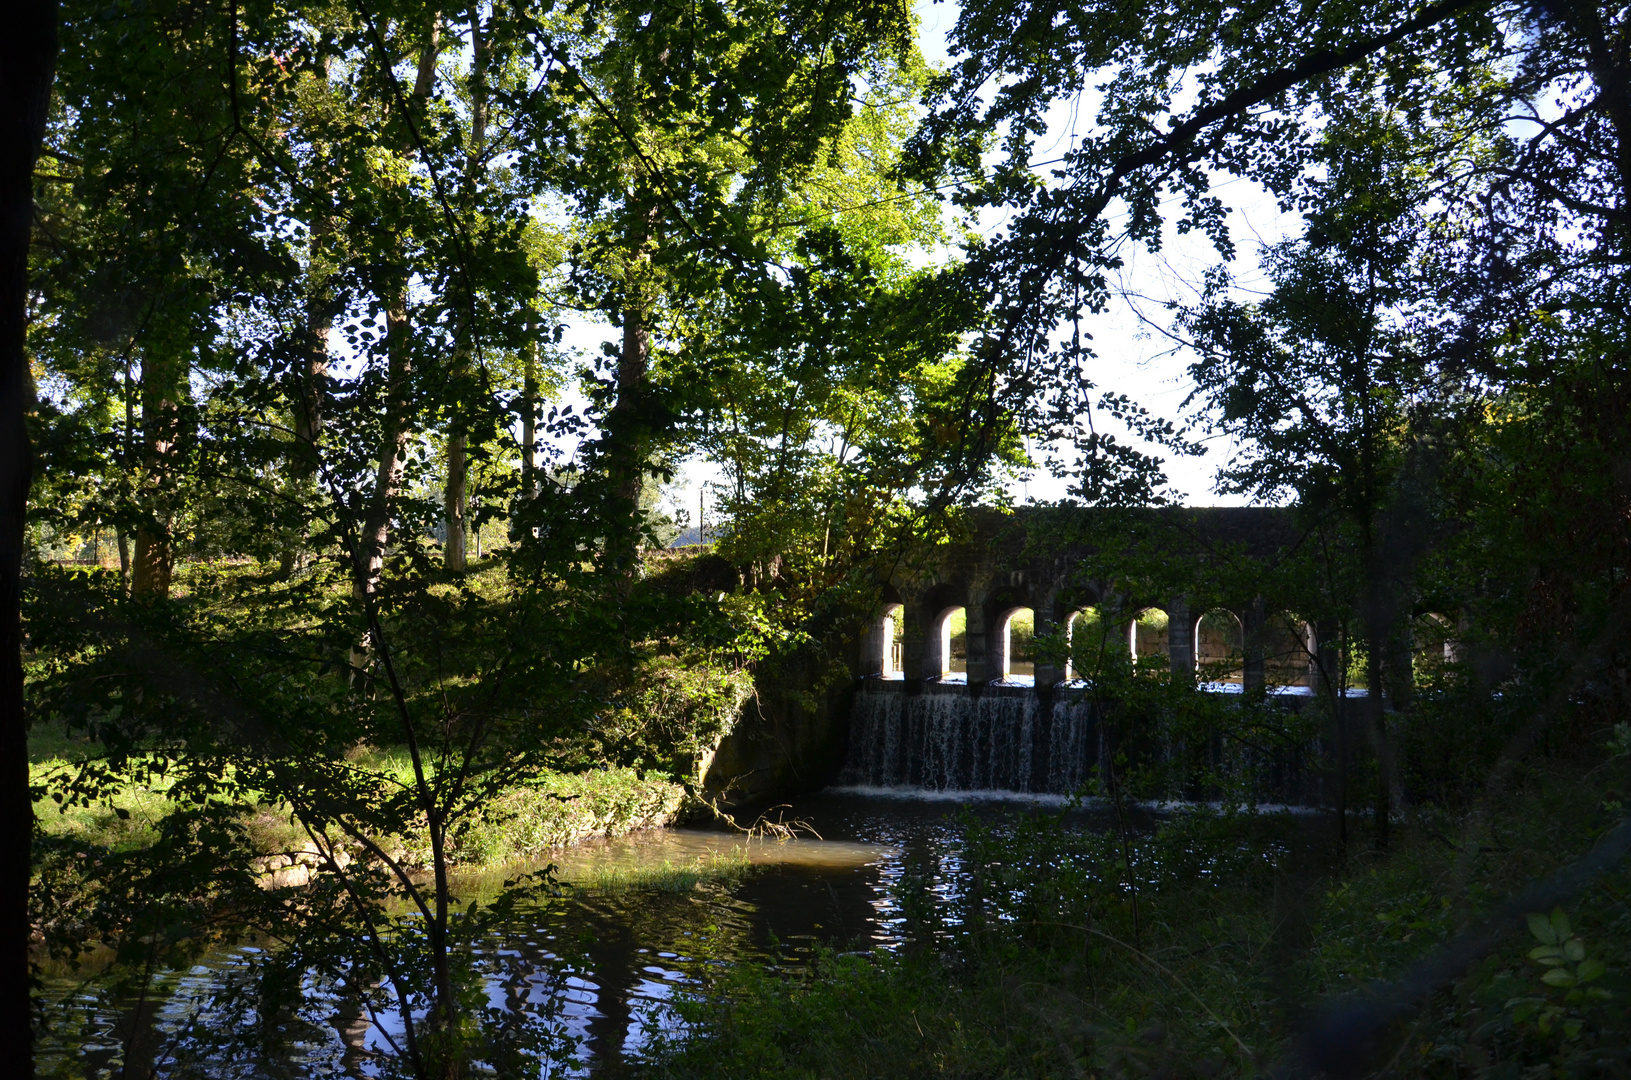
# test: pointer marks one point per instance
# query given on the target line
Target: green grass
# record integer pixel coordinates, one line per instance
(669, 876)
(560, 809)
(522, 824)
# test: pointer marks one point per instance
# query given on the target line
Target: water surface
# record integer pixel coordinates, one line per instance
(603, 964)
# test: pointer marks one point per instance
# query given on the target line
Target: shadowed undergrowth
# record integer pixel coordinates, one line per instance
(1244, 926)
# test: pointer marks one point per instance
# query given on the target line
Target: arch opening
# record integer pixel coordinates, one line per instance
(1016, 656)
(1220, 648)
(891, 638)
(1432, 646)
(1086, 637)
(1147, 639)
(951, 634)
(1288, 650)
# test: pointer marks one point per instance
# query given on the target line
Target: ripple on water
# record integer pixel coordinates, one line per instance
(602, 965)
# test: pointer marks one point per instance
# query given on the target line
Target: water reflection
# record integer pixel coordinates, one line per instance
(601, 965)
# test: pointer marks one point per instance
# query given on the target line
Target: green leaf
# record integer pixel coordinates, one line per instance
(1546, 954)
(1575, 950)
(1558, 977)
(1590, 969)
(1560, 925)
(1542, 929)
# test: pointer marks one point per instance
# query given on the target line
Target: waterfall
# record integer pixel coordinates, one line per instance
(944, 739)
(1010, 738)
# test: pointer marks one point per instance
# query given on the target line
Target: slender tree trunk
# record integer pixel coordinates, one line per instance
(308, 418)
(454, 502)
(445, 1058)
(1333, 686)
(27, 65)
(1374, 644)
(164, 380)
(127, 455)
(444, 1013)
(633, 365)
(626, 429)
(455, 497)
(529, 425)
(376, 532)
(387, 478)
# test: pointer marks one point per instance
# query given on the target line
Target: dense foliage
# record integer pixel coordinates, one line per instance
(297, 311)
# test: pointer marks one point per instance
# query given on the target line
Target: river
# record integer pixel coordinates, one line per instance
(598, 967)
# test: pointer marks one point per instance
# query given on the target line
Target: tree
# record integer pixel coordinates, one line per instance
(1324, 381)
(27, 62)
(1521, 202)
(346, 195)
(692, 130)
(828, 390)
(1182, 94)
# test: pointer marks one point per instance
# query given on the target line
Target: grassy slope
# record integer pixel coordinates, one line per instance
(523, 823)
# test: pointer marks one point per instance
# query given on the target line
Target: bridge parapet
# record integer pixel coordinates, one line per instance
(1039, 561)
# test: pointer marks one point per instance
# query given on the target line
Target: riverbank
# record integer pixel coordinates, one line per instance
(1042, 956)
(524, 824)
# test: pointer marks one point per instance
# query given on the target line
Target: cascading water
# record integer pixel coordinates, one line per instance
(1010, 738)
(944, 739)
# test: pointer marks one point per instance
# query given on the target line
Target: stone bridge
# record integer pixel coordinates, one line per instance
(948, 651)
(950, 613)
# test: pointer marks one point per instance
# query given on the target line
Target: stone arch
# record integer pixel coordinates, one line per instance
(891, 635)
(1054, 603)
(948, 642)
(926, 623)
(1220, 646)
(1147, 636)
(1014, 630)
(989, 655)
(1432, 645)
(1288, 645)
(877, 635)
(1086, 633)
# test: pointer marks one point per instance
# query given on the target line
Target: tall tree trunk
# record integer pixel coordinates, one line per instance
(1375, 643)
(1331, 682)
(308, 413)
(633, 365)
(154, 563)
(451, 1063)
(164, 380)
(376, 532)
(127, 460)
(454, 502)
(455, 499)
(445, 1057)
(27, 64)
(1377, 640)
(529, 424)
(629, 438)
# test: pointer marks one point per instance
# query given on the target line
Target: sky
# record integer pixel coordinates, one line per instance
(1135, 356)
